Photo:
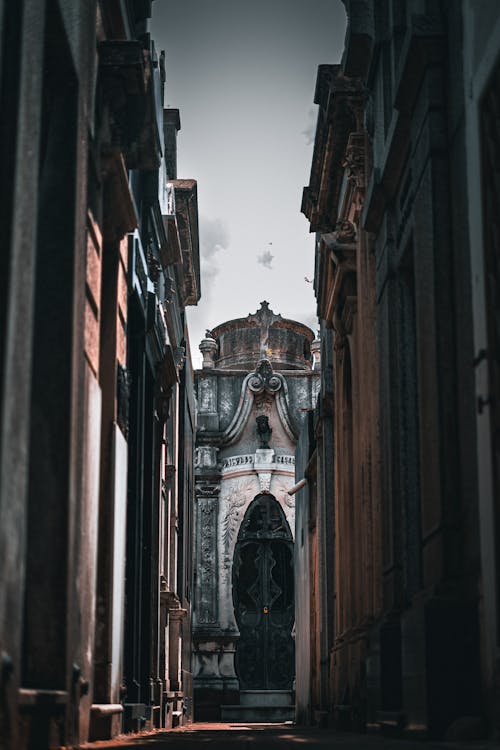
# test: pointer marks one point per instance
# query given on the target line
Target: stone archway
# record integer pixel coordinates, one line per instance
(263, 597)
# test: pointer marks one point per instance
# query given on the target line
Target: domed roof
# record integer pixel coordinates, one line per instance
(242, 342)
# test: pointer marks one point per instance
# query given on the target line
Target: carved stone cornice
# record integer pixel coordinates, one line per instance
(207, 490)
(176, 613)
(186, 202)
(342, 101)
(120, 215)
(127, 74)
(354, 160)
(339, 261)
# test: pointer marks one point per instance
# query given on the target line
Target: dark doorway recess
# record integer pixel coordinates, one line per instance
(264, 598)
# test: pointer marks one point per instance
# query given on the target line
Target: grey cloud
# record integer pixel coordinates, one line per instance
(307, 318)
(311, 321)
(265, 259)
(213, 237)
(310, 130)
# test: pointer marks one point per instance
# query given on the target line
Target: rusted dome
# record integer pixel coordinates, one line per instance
(239, 344)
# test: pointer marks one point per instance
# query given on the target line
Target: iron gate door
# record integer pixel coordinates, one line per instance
(264, 598)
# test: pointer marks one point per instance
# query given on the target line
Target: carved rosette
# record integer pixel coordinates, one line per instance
(268, 386)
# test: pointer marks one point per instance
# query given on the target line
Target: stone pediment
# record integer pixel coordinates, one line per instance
(262, 381)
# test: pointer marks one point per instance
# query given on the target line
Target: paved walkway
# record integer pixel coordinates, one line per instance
(268, 737)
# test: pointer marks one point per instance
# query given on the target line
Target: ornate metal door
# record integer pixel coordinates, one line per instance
(264, 598)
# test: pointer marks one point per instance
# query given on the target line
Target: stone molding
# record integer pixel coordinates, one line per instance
(248, 460)
(263, 379)
(231, 462)
(341, 258)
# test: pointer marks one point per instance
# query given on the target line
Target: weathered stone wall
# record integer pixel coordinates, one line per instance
(234, 465)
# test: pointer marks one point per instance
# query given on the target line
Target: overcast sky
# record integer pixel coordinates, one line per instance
(242, 75)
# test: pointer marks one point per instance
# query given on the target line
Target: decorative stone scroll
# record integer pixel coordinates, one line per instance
(264, 379)
(271, 385)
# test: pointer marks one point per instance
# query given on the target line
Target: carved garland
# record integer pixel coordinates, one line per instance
(206, 589)
(234, 496)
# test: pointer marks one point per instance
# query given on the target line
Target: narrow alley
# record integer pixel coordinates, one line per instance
(249, 374)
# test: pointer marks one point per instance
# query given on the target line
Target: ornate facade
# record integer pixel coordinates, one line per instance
(256, 379)
(400, 577)
(97, 409)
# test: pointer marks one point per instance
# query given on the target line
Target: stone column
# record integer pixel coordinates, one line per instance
(174, 643)
(164, 672)
(208, 685)
(206, 590)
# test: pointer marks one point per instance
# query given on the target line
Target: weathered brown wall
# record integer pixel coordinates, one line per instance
(388, 200)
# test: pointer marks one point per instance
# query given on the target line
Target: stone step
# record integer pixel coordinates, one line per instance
(266, 698)
(257, 714)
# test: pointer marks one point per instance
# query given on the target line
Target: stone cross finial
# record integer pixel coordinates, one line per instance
(264, 317)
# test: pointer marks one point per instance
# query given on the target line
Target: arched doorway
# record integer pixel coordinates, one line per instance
(263, 596)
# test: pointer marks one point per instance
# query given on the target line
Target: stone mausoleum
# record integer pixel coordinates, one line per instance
(257, 382)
